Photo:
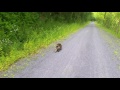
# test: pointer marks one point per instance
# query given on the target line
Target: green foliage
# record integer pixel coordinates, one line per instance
(23, 33)
(110, 20)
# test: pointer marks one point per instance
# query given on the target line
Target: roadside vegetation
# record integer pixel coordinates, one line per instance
(108, 21)
(24, 33)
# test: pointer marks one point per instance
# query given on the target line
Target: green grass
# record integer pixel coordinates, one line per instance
(111, 31)
(38, 39)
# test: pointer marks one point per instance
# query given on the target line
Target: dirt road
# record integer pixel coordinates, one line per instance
(85, 54)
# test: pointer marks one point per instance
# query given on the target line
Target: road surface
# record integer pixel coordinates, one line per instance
(85, 54)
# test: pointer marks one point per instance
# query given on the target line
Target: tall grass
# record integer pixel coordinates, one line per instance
(38, 37)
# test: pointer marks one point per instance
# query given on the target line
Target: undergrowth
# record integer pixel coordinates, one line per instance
(111, 31)
(35, 39)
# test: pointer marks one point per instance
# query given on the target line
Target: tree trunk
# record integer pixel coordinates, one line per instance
(105, 15)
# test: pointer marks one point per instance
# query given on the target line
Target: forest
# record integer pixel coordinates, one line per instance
(24, 33)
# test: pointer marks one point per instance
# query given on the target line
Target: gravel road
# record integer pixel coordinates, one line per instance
(85, 54)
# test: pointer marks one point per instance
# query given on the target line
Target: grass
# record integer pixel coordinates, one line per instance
(48, 34)
(111, 31)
